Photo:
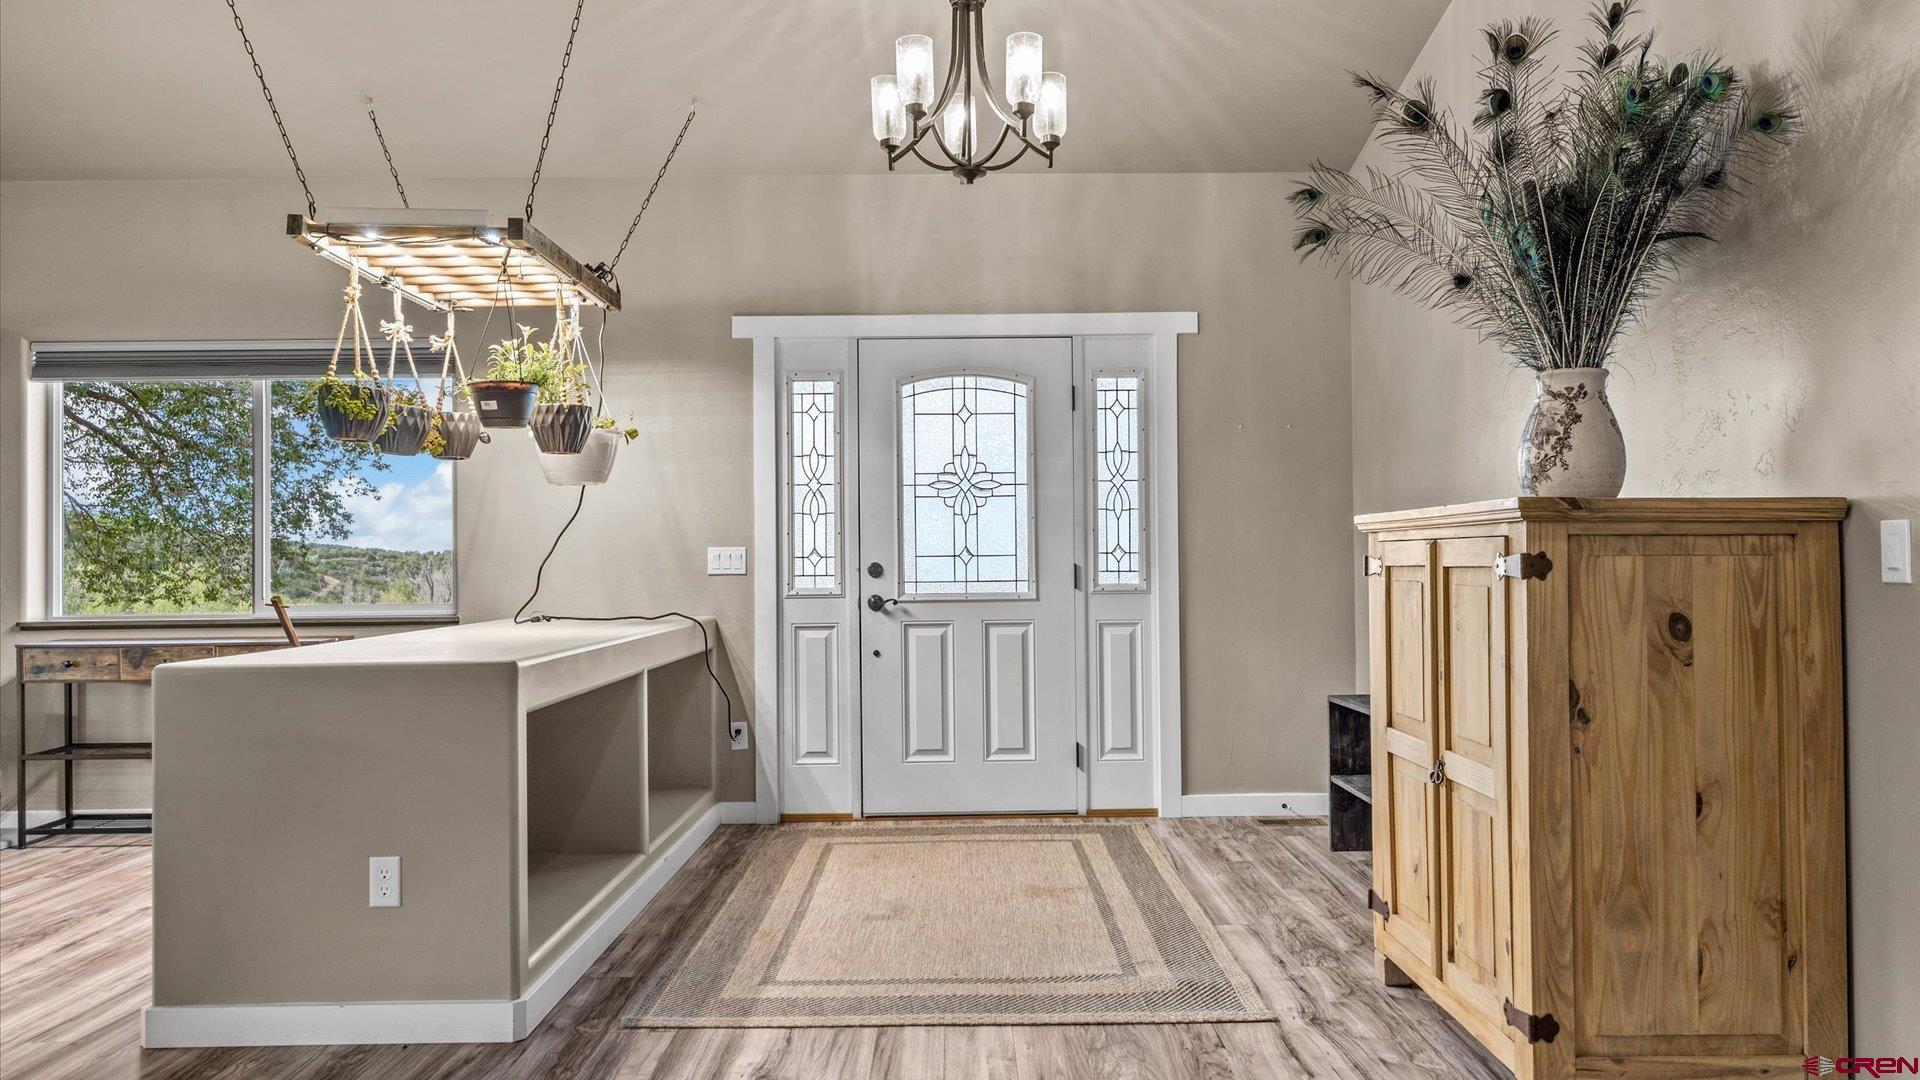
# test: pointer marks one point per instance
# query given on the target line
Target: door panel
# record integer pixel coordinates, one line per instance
(1686, 936)
(968, 696)
(1403, 748)
(1477, 893)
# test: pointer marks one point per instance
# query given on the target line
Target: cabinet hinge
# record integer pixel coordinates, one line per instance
(1073, 398)
(1525, 566)
(1536, 1029)
(1077, 586)
(1378, 905)
(1080, 756)
(1371, 566)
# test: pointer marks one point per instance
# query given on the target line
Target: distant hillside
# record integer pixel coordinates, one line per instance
(335, 574)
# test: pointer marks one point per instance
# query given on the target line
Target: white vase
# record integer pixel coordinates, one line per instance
(591, 465)
(1571, 447)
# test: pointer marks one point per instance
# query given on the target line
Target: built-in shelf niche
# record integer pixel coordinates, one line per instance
(683, 713)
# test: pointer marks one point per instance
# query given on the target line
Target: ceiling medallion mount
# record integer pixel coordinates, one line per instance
(907, 110)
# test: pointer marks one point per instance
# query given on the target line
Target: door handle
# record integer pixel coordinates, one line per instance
(877, 603)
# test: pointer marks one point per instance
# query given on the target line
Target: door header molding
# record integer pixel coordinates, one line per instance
(935, 326)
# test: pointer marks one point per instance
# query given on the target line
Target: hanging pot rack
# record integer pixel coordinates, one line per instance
(456, 260)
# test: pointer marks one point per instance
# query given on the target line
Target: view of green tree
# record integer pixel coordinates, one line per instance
(157, 499)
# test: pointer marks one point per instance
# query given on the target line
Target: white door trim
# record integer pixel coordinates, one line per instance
(768, 331)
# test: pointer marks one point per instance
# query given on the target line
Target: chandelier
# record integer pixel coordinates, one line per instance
(906, 108)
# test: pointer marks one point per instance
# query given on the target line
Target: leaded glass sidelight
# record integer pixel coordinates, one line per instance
(966, 486)
(1118, 487)
(813, 485)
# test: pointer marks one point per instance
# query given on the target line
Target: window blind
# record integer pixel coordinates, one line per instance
(149, 361)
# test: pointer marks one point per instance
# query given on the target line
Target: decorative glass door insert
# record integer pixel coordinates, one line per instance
(966, 487)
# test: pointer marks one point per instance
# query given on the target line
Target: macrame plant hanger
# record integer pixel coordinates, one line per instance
(409, 421)
(459, 430)
(340, 400)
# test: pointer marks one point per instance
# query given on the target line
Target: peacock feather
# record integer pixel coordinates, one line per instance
(1569, 200)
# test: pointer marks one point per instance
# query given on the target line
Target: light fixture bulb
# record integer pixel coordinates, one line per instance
(1050, 119)
(1023, 69)
(956, 124)
(889, 116)
(913, 65)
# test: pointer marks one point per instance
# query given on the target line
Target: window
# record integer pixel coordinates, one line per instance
(813, 485)
(966, 476)
(207, 496)
(1119, 490)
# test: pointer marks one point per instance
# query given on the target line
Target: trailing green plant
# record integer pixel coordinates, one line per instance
(521, 359)
(607, 423)
(436, 441)
(350, 394)
(1550, 226)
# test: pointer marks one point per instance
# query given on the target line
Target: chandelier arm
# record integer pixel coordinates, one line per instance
(955, 65)
(997, 146)
(940, 140)
(986, 80)
(1025, 146)
(929, 162)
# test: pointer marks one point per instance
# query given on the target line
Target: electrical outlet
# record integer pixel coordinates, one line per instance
(728, 560)
(383, 881)
(1896, 552)
(737, 734)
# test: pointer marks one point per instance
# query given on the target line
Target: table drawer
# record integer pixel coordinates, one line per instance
(137, 662)
(69, 665)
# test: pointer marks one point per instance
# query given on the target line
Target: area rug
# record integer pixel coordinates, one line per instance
(918, 922)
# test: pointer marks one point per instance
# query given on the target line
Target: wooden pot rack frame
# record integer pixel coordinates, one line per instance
(459, 267)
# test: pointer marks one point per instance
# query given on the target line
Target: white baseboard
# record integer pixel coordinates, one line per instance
(739, 813)
(431, 1021)
(1255, 804)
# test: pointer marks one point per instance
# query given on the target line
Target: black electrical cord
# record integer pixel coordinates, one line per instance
(706, 651)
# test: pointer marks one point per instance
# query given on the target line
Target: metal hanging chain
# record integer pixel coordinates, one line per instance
(605, 270)
(553, 109)
(391, 167)
(313, 209)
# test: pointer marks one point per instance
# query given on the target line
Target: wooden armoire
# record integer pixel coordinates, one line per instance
(1608, 773)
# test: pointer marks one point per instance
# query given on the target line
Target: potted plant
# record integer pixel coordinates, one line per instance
(352, 408)
(458, 434)
(562, 418)
(409, 423)
(504, 395)
(1549, 232)
(594, 463)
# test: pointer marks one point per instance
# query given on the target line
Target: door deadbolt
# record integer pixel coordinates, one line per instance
(874, 569)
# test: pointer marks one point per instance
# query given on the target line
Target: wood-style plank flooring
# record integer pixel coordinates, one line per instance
(74, 956)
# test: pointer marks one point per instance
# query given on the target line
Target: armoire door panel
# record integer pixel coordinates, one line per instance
(1406, 850)
(1475, 956)
(1686, 936)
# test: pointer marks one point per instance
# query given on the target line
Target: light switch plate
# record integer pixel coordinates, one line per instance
(1896, 552)
(726, 560)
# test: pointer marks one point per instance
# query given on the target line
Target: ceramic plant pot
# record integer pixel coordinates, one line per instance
(1571, 447)
(592, 465)
(502, 403)
(562, 429)
(459, 434)
(339, 425)
(407, 433)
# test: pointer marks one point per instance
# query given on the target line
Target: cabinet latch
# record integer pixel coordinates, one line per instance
(1371, 566)
(1378, 905)
(1526, 566)
(1536, 1029)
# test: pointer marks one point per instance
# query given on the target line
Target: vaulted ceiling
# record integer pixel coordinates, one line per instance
(134, 89)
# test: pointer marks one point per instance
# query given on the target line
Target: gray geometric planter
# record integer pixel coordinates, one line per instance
(562, 429)
(340, 426)
(460, 433)
(408, 432)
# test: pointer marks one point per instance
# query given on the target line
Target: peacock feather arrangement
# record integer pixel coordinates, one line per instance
(1571, 202)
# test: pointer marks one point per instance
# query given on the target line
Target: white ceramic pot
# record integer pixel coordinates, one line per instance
(1571, 447)
(591, 465)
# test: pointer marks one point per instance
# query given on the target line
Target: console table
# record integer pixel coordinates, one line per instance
(72, 664)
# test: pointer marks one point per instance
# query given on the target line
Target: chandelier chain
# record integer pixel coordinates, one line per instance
(313, 209)
(392, 169)
(553, 109)
(607, 272)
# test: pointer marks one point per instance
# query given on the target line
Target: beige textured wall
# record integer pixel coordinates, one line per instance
(1784, 363)
(1263, 387)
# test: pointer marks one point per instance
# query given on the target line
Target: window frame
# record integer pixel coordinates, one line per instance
(1143, 515)
(839, 443)
(260, 398)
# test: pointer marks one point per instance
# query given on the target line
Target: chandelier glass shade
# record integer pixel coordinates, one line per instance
(943, 125)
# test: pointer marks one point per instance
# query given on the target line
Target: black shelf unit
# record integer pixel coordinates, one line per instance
(1350, 772)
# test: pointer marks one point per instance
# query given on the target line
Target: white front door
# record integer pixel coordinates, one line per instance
(966, 549)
